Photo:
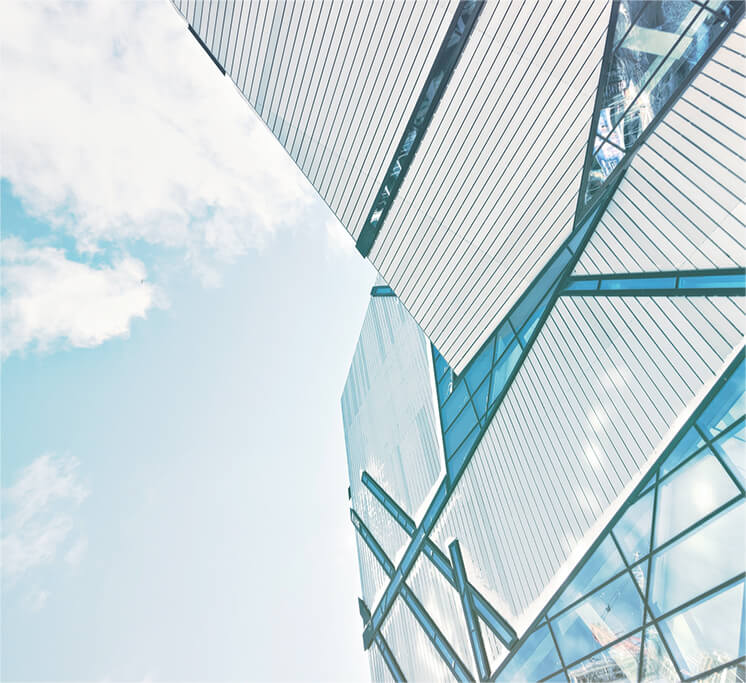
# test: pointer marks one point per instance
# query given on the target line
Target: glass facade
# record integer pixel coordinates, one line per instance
(544, 414)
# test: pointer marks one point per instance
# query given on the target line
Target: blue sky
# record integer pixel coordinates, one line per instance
(179, 314)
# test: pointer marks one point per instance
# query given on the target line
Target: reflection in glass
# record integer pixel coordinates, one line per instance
(709, 633)
(632, 531)
(536, 658)
(704, 558)
(732, 448)
(608, 614)
(618, 663)
(689, 494)
(656, 665)
(658, 45)
(691, 442)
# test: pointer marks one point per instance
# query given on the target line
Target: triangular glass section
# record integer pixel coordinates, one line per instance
(656, 49)
(601, 566)
(617, 663)
(534, 660)
(632, 531)
(656, 664)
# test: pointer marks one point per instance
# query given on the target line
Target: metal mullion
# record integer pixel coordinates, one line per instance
(718, 669)
(650, 78)
(333, 96)
(344, 90)
(723, 585)
(383, 255)
(726, 467)
(590, 403)
(556, 647)
(497, 181)
(329, 193)
(402, 59)
(388, 657)
(367, 108)
(649, 560)
(311, 130)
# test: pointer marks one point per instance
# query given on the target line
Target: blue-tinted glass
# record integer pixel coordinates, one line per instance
(440, 364)
(689, 494)
(707, 281)
(480, 365)
(727, 407)
(690, 442)
(460, 428)
(653, 60)
(536, 658)
(704, 558)
(732, 448)
(444, 387)
(640, 573)
(543, 286)
(708, 633)
(453, 405)
(455, 461)
(582, 285)
(527, 330)
(601, 566)
(656, 664)
(640, 283)
(609, 613)
(480, 397)
(503, 369)
(617, 663)
(558, 677)
(632, 531)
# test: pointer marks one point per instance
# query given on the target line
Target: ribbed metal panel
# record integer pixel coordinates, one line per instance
(372, 576)
(389, 409)
(596, 396)
(378, 669)
(414, 652)
(334, 81)
(681, 203)
(443, 604)
(492, 192)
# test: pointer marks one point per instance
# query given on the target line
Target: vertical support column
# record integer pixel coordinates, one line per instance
(472, 623)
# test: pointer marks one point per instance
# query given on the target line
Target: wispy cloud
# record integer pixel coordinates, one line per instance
(49, 298)
(39, 515)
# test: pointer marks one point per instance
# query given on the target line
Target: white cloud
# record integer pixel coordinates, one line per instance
(116, 126)
(36, 599)
(39, 518)
(48, 298)
(75, 554)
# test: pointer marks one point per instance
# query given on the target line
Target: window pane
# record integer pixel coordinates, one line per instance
(618, 663)
(602, 565)
(606, 615)
(702, 559)
(633, 529)
(709, 633)
(727, 407)
(657, 665)
(536, 658)
(689, 443)
(732, 448)
(691, 493)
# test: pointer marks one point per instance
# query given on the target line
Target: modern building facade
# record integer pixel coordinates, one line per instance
(544, 413)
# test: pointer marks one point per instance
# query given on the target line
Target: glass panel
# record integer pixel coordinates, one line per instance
(480, 398)
(458, 431)
(652, 61)
(503, 369)
(444, 386)
(689, 494)
(601, 566)
(618, 663)
(558, 677)
(733, 674)
(640, 574)
(656, 665)
(709, 633)
(639, 283)
(581, 285)
(528, 329)
(480, 366)
(452, 407)
(690, 443)
(455, 461)
(606, 615)
(632, 531)
(732, 448)
(707, 281)
(704, 558)
(727, 407)
(536, 658)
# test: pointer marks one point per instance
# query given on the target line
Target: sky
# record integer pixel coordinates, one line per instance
(179, 311)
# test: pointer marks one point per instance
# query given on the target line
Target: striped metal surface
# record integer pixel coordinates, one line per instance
(595, 398)
(681, 203)
(492, 194)
(334, 81)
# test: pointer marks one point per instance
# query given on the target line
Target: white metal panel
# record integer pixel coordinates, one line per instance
(600, 391)
(378, 669)
(372, 577)
(492, 192)
(416, 655)
(335, 81)
(681, 203)
(390, 418)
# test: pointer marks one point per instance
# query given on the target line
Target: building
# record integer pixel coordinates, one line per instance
(545, 410)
